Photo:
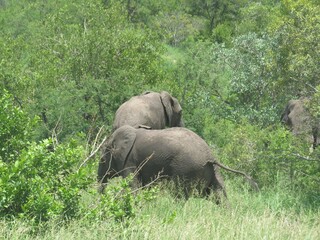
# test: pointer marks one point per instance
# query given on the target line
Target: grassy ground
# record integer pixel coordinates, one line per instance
(270, 214)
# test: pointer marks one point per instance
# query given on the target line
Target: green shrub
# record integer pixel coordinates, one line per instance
(265, 154)
(43, 183)
(118, 202)
(15, 127)
(38, 180)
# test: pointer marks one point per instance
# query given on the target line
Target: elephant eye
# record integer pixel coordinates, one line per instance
(111, 145)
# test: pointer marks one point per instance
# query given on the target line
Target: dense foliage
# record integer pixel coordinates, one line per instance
(65, 67)
(39, 180)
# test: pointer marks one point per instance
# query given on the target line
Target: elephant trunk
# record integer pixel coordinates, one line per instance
(101, 170)
(105, 170)
(104, 167)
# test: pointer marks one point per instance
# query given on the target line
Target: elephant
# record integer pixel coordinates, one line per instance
(152, 109)
(174, 153)
(297, 117)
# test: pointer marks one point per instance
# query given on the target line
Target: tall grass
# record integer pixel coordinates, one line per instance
(270, 214)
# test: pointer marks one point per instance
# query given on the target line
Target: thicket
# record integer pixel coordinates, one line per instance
(65, 67)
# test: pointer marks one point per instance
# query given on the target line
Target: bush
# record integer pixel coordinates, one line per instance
(119, 201)
(265, 154)
(38, 180)
(15, 127)
(43, 183)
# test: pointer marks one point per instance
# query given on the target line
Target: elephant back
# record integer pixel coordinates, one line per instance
(139, 110)
(176, 141)
(156, 110)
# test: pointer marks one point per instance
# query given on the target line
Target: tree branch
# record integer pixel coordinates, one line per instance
(305, 157)
(94, 151)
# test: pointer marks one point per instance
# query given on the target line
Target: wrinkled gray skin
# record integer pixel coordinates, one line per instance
(300, 122)
(152, 109)
(177, 153)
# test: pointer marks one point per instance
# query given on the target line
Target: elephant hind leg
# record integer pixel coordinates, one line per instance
(220, 193)
(216, 183)
(197, 188)
(217, 194)
(220, 196)
(206, 192)
(186, 187)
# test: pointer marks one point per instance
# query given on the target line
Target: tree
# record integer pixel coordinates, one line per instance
(297, 52)
(215, 11)
(175, 27)
(77, 61)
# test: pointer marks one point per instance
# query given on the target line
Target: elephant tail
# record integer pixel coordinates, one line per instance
(250, 180)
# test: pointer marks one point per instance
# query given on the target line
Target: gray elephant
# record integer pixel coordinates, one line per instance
(301, 123)
(152, 109)
(176, 153)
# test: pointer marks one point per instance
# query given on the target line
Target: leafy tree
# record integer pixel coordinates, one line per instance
(253, 77)
(38, 181)
(215, 11)
(175, 27)
(79, 61)
(202, 82)
(143, 10)
(256, 16)
(297, 50)
(232, 83)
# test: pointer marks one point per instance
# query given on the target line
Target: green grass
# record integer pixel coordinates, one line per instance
(269, 214)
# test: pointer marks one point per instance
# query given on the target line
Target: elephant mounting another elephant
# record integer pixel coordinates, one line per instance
(299, 120)
(152, 109)
(175, 153)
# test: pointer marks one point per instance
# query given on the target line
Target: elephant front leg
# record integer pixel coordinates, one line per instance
(132, 175)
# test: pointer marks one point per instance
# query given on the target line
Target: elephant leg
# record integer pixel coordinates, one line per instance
(135, 181)
(220, 192)
(206, 192)
(193, 187)
(216, 183)
(220, 196)
(181, 188)
(101, 188)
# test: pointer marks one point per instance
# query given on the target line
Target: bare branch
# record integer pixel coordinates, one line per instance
(150, 183)
(142, 164)
(308, 175)
(97, 137)
(109, 167)
(93, 152)
(55, 133)
(306, 158)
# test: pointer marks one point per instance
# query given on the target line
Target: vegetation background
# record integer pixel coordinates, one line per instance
(66, 66)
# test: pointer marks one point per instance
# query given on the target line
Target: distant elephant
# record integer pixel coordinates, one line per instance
(152, 109)
(300, 122)
(176, 153)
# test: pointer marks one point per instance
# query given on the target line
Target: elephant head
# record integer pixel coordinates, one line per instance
(156, 110)
(114, 154)
(297, 117)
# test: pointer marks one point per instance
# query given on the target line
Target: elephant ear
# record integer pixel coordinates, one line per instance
(123, 141)
(167, 103)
